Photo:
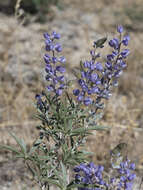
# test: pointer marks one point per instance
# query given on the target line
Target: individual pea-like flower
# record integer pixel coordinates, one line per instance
(120, 29)
(54, 64)
(125, 53)
(76, 92)
(114, 43)
(97, 78)
(39, 100)
(126, 40)
(87, 101)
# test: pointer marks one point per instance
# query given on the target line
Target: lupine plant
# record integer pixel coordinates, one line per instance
(58, 157)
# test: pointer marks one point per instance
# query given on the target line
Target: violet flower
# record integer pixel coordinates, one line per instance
(97, 78)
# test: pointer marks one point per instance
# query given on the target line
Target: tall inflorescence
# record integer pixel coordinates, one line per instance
(68, 124)
(54, 64)
(94, 176)
(54, 67)
(96, 78)
(125, 176)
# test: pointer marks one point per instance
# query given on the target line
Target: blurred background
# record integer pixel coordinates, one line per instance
(22, 24)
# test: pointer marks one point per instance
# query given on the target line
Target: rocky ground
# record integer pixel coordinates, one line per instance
(21, 69)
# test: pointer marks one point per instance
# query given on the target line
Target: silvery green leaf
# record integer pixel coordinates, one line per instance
(32, 150)
(43, 157)
(98, 128)
(74, 185)
(79, 130)
(9, 148)
(87, 153)
(20, 142)
(53, 182)
(64, 173)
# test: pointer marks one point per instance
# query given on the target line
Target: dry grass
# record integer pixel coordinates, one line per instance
(123, 111)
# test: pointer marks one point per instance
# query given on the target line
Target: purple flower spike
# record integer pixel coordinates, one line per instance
(55, 81)
(89, 174)
(96, 78)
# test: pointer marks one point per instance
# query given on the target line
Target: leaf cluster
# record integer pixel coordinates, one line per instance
(63, 131)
